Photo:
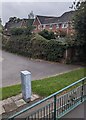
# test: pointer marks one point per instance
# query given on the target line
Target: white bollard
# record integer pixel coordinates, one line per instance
(26, 85)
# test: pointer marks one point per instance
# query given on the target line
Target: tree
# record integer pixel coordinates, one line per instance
(80, 22)
(0, 21)
(31, 15)
(1, 27)
(14, 19)
(80, 29)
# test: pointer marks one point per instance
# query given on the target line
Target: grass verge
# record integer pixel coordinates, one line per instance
(47, 86)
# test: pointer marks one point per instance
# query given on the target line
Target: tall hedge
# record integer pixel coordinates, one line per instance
(35, 47)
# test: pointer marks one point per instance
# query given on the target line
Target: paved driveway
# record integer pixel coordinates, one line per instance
(13, 64)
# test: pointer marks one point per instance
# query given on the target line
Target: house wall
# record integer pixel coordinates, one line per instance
(36, 23)
(54, 28)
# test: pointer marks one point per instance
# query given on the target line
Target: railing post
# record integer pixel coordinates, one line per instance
(82, 92)
(54, 107)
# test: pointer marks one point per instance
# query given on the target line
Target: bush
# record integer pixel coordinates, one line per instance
(46, 34)
(22, 31)
(35, 46)
(16, 31)
(61, 33)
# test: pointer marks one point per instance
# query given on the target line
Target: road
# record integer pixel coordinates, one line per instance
(12, 65)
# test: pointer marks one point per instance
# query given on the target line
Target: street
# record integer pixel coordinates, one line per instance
(12, 65)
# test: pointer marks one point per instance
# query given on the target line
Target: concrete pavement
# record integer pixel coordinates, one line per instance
(14, 102)
(77, 113)
(12, 65)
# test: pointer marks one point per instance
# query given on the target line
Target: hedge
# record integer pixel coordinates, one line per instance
(34, 46)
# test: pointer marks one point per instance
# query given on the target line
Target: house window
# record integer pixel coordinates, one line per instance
(51, 26)
(65, 25)
(39, 27)
(43, 26)
(57, 25)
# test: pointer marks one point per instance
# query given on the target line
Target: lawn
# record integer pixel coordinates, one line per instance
(47, 86)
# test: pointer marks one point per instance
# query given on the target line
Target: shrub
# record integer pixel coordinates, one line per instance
(35, 46)
(46, 34)
(16, 31)
(61, 33)
(22, 31)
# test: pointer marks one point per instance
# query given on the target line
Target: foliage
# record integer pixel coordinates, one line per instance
(46, 34)
(16, 31)
(61, 33)
(80, 23)
(34, 46)
(31, 15)
(1, 27)
(14, 19)
(46, 86)
(22, 31)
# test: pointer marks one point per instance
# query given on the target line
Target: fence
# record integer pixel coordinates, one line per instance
(57, 104)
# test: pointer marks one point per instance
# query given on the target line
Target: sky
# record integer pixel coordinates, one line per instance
(22, 9)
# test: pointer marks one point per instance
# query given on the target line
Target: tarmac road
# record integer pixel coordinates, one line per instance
(12, 65)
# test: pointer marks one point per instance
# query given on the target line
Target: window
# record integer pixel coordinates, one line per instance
(65, 25)
(39, 27)
(43, 26)
(51, 26)
(57, 25)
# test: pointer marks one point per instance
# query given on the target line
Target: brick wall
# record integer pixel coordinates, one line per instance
(39, 27)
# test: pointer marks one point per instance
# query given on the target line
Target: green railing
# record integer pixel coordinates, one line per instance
(56, 105)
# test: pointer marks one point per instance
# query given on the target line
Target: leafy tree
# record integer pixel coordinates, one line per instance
(0, 21)
(14, 19)
(80, 23)
(31, 15)
(1, 27)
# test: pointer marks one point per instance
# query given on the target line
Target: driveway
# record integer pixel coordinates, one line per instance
(12, 65)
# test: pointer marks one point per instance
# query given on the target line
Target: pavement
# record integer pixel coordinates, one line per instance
(79, 113)
(13, 103)
(12, 64)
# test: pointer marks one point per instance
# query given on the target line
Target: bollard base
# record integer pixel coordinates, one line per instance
(27, 100)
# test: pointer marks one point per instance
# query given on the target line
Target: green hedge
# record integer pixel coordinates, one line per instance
(34, 46)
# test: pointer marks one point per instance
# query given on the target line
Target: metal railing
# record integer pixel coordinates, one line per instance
(57, 104)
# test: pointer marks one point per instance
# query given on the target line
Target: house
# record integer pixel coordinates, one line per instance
(50, 23)
(17, 23)
(54, 23)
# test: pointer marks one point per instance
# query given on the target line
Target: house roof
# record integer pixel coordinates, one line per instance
(21, 23)
(47, 19)
(67, 16)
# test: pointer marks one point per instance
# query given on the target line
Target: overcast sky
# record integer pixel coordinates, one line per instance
(22, 9)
